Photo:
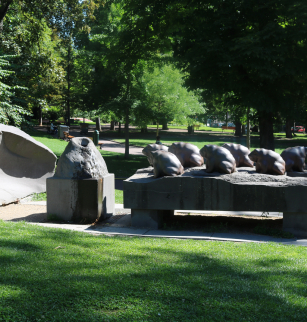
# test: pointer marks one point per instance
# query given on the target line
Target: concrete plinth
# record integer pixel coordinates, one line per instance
(244, 190)
(152, 219)
(87, 199)
(295, 223)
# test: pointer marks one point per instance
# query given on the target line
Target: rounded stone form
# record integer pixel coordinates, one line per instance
(294, 158)
(81, 160)
(153, 147)
(268, 162)
(240, 153)
(166, 164)
(187, 153)
(218, 159)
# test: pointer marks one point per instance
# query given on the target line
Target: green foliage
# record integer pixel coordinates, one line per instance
(10, 113)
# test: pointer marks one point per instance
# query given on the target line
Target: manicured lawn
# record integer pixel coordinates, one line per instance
(57, 275)
(201, 139)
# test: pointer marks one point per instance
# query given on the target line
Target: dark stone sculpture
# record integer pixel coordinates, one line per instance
(24, 164)
(81, 160)
(218, 159)
(153, 147)
(166, 164)
(268, 162)
(187, 153)
(240, 153)
(294, 158)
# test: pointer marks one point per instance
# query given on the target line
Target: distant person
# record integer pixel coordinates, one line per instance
(158, 140)
(53, 129)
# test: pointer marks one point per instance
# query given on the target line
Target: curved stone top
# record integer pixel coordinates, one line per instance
(24, 164)
(18, 147)
(243, 176)
(81, 160)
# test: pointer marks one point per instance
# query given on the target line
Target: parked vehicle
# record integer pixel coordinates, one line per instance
(299, 129)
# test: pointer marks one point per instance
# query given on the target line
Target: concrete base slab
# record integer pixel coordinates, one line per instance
(119, 231)
(178, 234)
(295, 223)
(149, 218)
(88, 199)
(245, 237)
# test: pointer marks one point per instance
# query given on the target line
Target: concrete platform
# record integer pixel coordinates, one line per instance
(196, 190)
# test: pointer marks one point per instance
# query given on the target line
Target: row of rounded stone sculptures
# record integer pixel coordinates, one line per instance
(172, 161)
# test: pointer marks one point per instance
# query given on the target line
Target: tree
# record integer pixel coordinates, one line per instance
(255, 49)
(164, 98)
(9, 111)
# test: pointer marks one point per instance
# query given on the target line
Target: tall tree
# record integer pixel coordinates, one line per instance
(253, 48)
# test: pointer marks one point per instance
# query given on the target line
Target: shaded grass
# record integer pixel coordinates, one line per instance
(58, 275)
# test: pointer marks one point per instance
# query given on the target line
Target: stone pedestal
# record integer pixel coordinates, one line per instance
(295, 223)
(80, 200)
(152, 219)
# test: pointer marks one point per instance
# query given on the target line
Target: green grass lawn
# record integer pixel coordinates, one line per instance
(59, 275)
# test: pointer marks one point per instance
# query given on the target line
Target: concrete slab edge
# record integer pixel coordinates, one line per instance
(147, 233)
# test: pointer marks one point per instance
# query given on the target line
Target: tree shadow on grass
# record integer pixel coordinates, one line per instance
(134, 279)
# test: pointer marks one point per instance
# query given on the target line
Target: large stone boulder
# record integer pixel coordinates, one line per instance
(81, 160)
(24, 164)
(82, 189)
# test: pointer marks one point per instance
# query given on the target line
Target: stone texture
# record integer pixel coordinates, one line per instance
(195, 189)
(240, 154)
(166, 164)
(218, 159)
(81, 200)
(81, 160)
(294, 158)
(24, 164)
(268, 162)
(153, 147)
(81, 189)
(244, 190)
(187, 153)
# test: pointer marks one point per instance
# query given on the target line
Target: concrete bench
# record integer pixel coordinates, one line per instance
(150, 199)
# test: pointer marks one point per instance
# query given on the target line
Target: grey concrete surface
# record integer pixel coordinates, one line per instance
(24, 164)
(87, 199)
(244, 190)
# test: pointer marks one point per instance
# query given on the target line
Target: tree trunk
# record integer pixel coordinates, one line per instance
(157, 133)
(289, 124)
(119, 127)
(266, 131)
(127, 133)
(238, 131)
(243, 129)
(144, 129)
(248, 130)
(164, 126)
(98, 125)
(40, 111)
(69, 69)
(112, 126)
(4, 7)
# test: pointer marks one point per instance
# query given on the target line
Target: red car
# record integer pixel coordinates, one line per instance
(299, 129)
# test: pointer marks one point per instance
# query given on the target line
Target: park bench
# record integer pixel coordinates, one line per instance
(67, 137)
(228, 128)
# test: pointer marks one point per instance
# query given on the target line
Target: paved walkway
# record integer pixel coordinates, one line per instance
(120, 224)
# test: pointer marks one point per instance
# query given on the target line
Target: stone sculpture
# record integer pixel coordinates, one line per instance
(82, 189)
(268, 162)
(218, 159)
(187, 153)
(81, 160)
(166, 164)
(294, 158)
(153, 147)
(240, 153)
(24, 164)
